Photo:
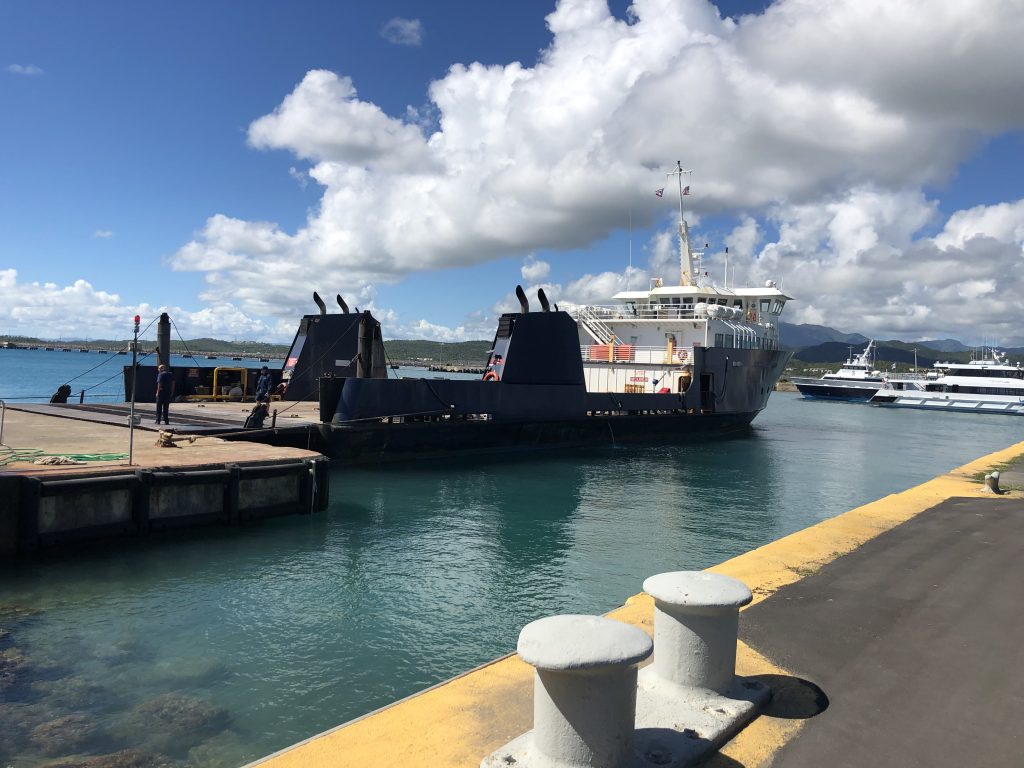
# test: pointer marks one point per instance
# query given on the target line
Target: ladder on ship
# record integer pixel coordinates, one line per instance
(593, 325)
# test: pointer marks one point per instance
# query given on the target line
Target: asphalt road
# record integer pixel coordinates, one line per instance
(916, 640)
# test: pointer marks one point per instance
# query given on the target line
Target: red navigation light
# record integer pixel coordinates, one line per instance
(137, 319)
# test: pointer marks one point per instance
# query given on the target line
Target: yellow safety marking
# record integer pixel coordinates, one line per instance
(459, 722)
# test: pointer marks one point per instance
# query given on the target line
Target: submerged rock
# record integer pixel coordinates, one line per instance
(70, 733)
(186, 713)
(16, 723)
(171, 723)
(74, 693)
(11, 615)
(126, 758)
(15, 670)
(226, 749)
(122, 651)
(189, 672)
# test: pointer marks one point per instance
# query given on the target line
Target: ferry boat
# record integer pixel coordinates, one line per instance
(857, 380)
(666, 363)
(986, 385)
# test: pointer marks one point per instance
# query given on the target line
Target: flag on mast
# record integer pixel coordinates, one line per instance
(686, 189)
(659, 192)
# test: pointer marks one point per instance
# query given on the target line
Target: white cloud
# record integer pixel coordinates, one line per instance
(534, 270)
(103, 234)
(50, 311)
(1004, 221)
(301, 177)
(774, 111)
(403, 31)
(857, 263)
(424, 329)
(24, 69)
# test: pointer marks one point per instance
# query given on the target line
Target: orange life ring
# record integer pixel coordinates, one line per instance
(491, 376)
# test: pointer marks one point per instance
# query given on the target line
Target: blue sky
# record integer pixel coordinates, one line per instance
(223, 160)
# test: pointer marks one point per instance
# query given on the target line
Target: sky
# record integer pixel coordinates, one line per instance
(222, 160)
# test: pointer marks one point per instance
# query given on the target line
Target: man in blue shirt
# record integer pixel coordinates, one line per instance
(164, 390)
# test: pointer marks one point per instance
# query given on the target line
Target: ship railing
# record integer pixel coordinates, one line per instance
(630, 353)
(898, 376)
(614, 313)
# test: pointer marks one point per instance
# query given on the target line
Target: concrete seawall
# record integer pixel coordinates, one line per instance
(171, 483)
(459, 722)
(41, 512)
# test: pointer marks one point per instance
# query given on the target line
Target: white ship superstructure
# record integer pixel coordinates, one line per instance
(646, 340)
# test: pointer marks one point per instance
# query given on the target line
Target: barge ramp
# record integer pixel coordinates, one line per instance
(197, 479)
(889, 635)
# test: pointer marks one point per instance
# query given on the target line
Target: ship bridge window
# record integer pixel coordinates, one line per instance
(738, 303)
(765, 303)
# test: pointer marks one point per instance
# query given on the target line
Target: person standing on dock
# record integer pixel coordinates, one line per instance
(264, 384)
(164, 390)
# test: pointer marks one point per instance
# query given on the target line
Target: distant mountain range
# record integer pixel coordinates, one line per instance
(811, 344)
(821, 344)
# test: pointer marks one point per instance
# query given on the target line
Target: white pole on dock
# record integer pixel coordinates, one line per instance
(131, 408)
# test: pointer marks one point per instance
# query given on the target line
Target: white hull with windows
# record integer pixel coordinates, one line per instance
(988, 385)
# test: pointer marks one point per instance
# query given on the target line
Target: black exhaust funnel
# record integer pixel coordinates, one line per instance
(524, 305)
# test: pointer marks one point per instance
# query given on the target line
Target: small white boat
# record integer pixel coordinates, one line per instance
(986, 385)
(856, 380)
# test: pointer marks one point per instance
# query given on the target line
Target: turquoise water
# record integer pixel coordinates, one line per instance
(219, 646)
(32, 375)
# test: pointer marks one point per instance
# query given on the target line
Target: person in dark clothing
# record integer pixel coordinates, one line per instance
(263, 384)
(164, 390)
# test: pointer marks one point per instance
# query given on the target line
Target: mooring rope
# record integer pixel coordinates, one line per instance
(9, 455)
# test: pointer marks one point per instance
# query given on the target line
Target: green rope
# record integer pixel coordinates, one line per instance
(10, 455)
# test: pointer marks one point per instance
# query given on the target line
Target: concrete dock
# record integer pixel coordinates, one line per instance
(194, 478)
(889, 636)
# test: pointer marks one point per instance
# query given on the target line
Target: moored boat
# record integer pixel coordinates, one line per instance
(988, 384)
(856, 380)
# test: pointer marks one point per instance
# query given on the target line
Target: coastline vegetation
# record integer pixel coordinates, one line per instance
(399, 351)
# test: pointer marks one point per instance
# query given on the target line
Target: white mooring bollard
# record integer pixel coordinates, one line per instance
(696, 621)
(584, 698)
(689, 700)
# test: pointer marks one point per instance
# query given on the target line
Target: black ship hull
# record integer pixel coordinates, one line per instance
(383, 443)
(859, 394)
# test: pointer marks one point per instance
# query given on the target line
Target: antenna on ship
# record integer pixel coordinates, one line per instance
(685, 254)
